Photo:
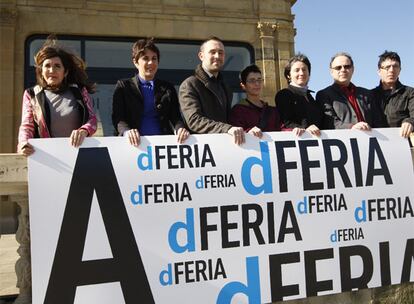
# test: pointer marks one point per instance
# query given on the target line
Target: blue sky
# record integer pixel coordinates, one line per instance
(363, 28)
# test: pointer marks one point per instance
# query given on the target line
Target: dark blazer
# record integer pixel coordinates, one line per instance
(339, 114)
(298, 111)
(203, 108)
(128, 105)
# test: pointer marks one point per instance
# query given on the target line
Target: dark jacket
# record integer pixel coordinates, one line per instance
(298, 111)
(203, 109)
(339, 113)
(128, 105)
(396, 106)
(247, 115)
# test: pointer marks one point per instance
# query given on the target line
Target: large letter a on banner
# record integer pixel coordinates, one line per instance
(94, 172)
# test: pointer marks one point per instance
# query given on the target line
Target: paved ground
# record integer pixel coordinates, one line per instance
(8, 258)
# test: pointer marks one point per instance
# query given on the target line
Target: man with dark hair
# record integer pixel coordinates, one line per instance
(204, 98)
(252, 113)
(247, 70)
(346, 106)
(394, 99)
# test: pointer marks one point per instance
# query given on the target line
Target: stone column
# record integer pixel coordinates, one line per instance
(284, 44)
(266, 59)
(8, 16)
(23, 264)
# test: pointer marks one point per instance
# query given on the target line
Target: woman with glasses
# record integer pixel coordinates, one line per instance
(59, 105)
(144, 104)
(252, 113)
(298, 109)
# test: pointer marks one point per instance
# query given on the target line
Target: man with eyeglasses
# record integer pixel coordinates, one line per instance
(205, 99)
(395, 100)
(252, 113)
(346, 106)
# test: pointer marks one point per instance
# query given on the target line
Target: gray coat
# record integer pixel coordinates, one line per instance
(201, 104)
(339, 113)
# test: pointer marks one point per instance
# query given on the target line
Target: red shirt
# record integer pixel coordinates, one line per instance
(247, 116)
(350, 94)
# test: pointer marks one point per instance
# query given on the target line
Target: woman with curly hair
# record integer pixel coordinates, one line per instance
(59, 104)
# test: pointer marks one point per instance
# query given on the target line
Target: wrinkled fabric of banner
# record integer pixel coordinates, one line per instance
(207, 221)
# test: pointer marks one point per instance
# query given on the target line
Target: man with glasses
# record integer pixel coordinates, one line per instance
(252, 113)
(395, 100)
(204, 98)
(346, 106)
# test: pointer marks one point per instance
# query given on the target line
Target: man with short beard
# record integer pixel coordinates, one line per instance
(205, 100)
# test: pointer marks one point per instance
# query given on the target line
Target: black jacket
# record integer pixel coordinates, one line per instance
(339, 113)
(396, 106)
(128, 105)
(298, 111)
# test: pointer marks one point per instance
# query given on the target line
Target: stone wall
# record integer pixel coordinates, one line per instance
(267, 25)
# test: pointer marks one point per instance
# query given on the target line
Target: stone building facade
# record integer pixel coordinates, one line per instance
(264, 27)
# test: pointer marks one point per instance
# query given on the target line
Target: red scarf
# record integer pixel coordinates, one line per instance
(350, 94)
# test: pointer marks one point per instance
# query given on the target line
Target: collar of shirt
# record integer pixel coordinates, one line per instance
(303, 88)
(298, 89)
(208, 73)
(145, 83)
(348, 90)
(397, 87)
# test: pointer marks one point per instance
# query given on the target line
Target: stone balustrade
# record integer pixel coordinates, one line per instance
(13, 187)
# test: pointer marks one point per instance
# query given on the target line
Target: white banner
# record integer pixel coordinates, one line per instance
(211, 222)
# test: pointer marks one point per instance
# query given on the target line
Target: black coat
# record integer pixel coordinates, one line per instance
(128, 105)
(397, 106)
(298, 111)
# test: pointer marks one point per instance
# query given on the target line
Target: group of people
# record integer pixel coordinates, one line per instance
(60, 105)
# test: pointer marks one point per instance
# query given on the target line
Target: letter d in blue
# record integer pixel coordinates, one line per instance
(136, 196)
(189, 227)
(251, 290)
(334, 237)
(200, 183)
(302, 207)
(360, 213)
(246, 171)
(166, 273)
(148, 156)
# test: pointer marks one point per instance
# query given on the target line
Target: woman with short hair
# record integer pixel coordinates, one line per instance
(298, 109)
(145, 105)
